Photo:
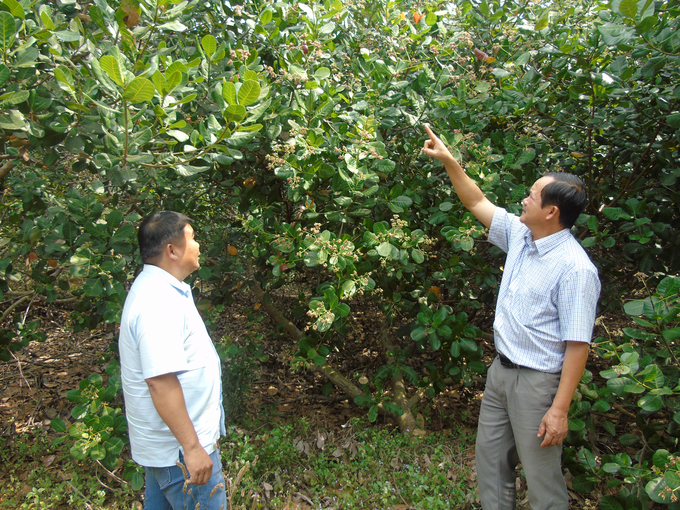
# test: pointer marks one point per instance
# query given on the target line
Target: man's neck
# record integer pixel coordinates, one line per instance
(169, 268)
(547, 230)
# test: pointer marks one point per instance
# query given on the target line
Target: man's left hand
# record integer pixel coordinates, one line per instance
(554, 427)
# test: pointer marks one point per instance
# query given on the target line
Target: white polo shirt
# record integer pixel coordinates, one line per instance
(161, 332)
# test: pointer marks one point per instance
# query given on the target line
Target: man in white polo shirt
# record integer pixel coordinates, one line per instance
(542, 329)
(171, 373)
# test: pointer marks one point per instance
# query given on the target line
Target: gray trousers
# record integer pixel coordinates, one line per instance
(513, 405)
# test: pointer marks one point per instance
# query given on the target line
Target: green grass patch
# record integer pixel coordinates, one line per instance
(360, 466)
(355, 468)
(35, 474)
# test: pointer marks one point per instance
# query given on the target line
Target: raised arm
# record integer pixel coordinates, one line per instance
(467, 190)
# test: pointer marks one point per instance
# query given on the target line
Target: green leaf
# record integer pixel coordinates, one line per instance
(419, 333)
(111, 67)
(584, 483)
(265, 17)
(79, 411)
(98, 452)
(67, 36)
(342, 310)
(393, 408)
(139, 90)
(137, 481)
(160, 83)
(661, 458)
(249, 92)
(651, 403)
(669, 287)
(327, 28)
(79, 450)
(626, 7)
(610, 503)
(653, 66)
(12, 121)
(468, 345)
(615, 213)
(363, 400)
(4, 73)
(173, 26)
(656, 490)
(7, 30)
(58, 425)
(95, 380)
(629, 439)
(439, 316)
(384, 249)
(373, 413)
(673, 120)
(576, 424)
(172, 82)
(13, 98)
(403, 201)
(235, 113)
(542, 23)
(322, 73)
(15, 8)
(93, 287)
(209, 45)
(46, 17)
(587, 459)
(64, 77)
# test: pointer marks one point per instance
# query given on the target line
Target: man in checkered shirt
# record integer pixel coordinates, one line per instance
(542, 330)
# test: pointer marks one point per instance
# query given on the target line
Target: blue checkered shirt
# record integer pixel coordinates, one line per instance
(548, 294)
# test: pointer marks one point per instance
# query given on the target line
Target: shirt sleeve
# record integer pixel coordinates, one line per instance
(499, 232)
(160, 341)
(577, 305)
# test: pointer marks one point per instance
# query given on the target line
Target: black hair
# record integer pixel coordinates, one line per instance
(159, 229)
(568, 193)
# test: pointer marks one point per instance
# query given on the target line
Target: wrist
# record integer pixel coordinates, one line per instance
(556, 408)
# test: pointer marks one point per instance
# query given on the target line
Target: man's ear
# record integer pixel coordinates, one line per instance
(554, 213)
(171, 251)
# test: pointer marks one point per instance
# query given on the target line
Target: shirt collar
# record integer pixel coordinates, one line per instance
(549, 243)
(182, 287)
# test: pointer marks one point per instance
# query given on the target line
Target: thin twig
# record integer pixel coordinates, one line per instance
(112, 475)
(110, 488)
(12, 307)
(21, 373)
(81, 495)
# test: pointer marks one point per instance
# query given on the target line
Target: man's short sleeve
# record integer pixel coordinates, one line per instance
(500, 230)
(577, 305)
(161, 342)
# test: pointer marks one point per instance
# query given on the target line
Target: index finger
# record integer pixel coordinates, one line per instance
(430, 133)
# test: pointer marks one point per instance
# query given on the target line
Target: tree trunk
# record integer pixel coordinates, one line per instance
(406, 422)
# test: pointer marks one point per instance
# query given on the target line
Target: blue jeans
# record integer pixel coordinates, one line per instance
(164, 489)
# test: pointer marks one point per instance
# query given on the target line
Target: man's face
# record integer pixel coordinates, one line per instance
(189, 252)
(533, 211)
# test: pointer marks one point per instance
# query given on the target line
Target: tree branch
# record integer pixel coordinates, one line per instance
(5, 169)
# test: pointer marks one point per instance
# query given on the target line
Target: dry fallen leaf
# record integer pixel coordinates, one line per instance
(47, 460)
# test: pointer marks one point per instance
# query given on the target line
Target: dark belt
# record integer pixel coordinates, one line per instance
(507, 363)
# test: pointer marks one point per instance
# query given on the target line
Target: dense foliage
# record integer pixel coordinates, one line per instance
(291, 133)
